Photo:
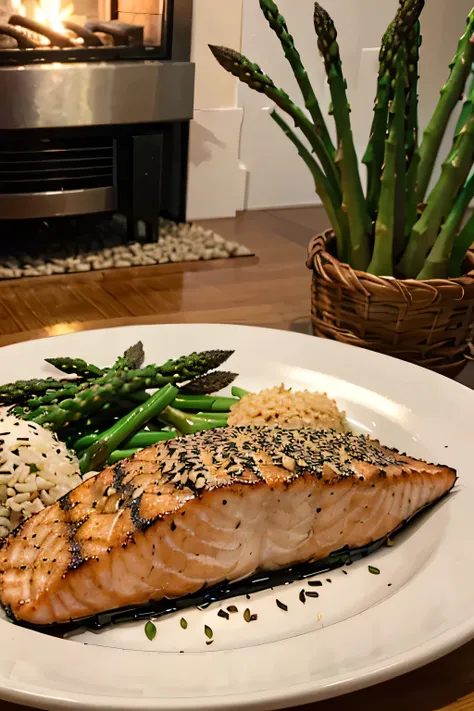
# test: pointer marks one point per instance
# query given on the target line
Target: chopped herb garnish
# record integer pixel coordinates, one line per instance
(374, 570)
(253, 618)
(247, 615)
(315, 583)
(232, 609)
(150, 630)
(312, 593)
(389, 542)
(183, 623)
(302, 597)
(209, 641)
(224, 614)
(208, 632)
(282, 605)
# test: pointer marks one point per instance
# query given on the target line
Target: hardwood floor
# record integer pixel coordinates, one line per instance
(270, 289)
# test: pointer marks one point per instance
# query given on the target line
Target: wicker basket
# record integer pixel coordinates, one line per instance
(429, 323)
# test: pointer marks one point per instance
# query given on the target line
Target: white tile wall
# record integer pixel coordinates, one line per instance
(275, 175)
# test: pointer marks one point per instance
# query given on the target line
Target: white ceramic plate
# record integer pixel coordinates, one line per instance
(361, 630)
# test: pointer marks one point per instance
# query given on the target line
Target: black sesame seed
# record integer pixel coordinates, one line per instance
(232, 609)
(281, 605)
(312, 593)
(302, 596)
(222, 613)
(315, 583)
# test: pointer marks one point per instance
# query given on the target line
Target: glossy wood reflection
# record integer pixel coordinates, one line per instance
(270, 289)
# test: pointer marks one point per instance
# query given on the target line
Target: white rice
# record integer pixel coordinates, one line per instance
(36, 469)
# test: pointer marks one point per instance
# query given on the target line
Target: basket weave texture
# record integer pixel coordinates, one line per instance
(429, 323)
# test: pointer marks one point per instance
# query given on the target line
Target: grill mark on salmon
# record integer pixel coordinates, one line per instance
(192, 512)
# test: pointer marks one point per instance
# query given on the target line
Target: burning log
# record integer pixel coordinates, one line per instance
(23, 38)
(56, 39)
(90, 39)
(7, 42)
(122, 32)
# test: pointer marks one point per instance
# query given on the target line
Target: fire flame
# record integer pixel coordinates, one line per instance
(47, 12)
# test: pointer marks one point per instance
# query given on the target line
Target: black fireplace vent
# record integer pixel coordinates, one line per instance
(57, 164)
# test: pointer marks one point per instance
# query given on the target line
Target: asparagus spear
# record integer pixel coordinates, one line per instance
(437, 263)
(19, 391)
(188, 424)
(251, 74)
(451, 93)
(204, 402)
(382, 259)
(334, 211)
(411, 141)
(96, 455)
(397, 32)
(463, 242)
(239, 392)
(140, 439)
(353, 195)
(132, 358)
(278, 25)
(454, 172)
(210, 383)
(76, 366)
(373, 156)
(194, 365)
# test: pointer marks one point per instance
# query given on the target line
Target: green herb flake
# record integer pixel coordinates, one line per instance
(208, 632)
(389, 543)
(150, 630)
(374, 570)
(183, 623)
(232, 609)
(247, 615)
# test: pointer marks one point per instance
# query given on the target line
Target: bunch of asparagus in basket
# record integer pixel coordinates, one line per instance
(108, 414)
(398, 225)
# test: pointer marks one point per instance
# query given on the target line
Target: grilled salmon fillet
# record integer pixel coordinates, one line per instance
(199, 510)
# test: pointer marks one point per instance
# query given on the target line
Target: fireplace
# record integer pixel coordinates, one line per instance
(97, 96)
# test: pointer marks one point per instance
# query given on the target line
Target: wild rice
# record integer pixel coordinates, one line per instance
(36, 469)
(288, 409)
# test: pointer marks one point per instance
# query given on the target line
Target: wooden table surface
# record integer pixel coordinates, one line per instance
(269, 290)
